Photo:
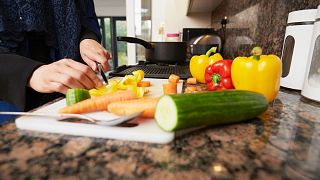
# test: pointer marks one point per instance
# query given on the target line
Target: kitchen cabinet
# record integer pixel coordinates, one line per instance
(202, 6)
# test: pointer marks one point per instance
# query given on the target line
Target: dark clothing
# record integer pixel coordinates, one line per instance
(48, 31)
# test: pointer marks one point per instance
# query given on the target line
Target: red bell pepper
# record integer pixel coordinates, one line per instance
(218, 75)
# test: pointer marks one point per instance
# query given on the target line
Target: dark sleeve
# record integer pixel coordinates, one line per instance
(15, 72)
(89, 21)
(88, 34)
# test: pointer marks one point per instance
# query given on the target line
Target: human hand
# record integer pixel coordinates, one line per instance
(91, 52)
(62, 75)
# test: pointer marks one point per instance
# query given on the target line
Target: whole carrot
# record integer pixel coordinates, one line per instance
(147, 105)
(98, 103)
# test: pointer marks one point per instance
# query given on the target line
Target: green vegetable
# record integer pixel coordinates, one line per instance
(182, 111)
(76, 95)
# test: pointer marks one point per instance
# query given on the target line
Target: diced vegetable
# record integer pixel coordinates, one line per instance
(174, 78)
(169, 88)
(144, 84)
(76, 95)
(191, 81)
(191, 89)
(139, 75)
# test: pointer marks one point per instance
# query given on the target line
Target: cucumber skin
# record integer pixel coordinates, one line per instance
(219, 107)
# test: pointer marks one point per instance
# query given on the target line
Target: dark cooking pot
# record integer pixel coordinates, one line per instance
(161, 52)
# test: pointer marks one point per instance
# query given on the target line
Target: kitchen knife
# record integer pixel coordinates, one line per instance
(100, 69)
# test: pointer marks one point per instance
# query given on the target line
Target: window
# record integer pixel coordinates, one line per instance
(111, 27)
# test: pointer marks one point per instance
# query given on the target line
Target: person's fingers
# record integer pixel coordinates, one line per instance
(91, 63)
(58, 87)
(100, 55)
(105, 64)
(85, 70)
(78, 76)
(67, 81)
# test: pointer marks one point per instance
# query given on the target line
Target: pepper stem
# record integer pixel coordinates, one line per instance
(256, 53)
(216, 79)
(211, 50)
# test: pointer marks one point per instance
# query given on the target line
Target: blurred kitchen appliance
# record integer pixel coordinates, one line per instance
(296, 47)
(200, 40)
(190, 33)
(311, 86)
(200, 45)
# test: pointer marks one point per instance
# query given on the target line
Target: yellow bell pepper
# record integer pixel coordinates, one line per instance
(198, 64)
(258, 73)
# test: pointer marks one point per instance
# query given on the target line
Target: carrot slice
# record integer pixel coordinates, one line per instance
(170, 88)
(144, 84)
(191, 81)
(98, 103)
(191, 89)
(124, 108)
(174, 78)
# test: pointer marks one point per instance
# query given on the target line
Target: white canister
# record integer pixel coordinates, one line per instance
(296, 47)
(311, 86)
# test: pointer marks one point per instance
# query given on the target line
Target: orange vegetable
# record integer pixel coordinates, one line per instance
(144, 84)
(191, 89)
(191, 81)
(174, 78)
(124, 108)
(98, 103)
(170, 88)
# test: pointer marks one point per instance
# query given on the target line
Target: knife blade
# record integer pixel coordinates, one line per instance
(100, 69)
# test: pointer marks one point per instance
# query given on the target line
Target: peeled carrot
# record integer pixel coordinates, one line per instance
(98, 103)
(174, 78)
(170, 88)
(144, 84)
(191, 81)
(147, 105)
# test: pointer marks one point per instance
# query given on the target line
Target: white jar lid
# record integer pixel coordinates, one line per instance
(307, 15)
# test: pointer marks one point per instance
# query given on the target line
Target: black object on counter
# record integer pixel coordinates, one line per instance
(154, 71)
(161, 52)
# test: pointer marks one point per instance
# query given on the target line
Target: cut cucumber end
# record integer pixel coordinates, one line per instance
(76, 95)
(166, 114)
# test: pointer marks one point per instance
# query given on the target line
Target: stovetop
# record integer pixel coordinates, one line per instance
(152, 70)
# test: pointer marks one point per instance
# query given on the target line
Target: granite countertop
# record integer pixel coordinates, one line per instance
(284, 142)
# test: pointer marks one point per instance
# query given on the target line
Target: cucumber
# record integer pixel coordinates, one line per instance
(180, 111)
(76, 95)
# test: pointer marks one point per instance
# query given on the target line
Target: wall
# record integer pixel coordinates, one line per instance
(172, 13)
(256, 22)
(110, 7)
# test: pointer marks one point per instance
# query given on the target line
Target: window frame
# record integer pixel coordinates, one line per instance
(113, 35)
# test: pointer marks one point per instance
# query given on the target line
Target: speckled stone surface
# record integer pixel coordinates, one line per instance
(283, 143)
(256, 22)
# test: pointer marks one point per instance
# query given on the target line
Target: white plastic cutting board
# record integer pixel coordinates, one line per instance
(146, 131)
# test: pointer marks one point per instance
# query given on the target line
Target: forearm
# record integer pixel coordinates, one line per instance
(15, 72)
(89, 21)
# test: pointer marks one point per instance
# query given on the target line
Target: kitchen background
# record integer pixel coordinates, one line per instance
(250, 22)
(256, 22)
